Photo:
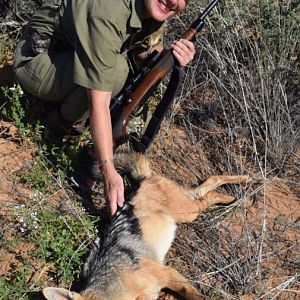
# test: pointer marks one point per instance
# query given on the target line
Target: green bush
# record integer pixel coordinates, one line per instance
(57, 245)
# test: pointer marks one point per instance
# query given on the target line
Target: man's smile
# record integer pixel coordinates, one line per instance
(163, 6)
(160, 10)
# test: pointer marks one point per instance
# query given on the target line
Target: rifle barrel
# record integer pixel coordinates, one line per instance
(196, 27)
(208, 9)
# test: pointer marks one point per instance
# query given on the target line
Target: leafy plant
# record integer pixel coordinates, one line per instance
(38, 177)
(63, 240)
(14, 109)
(55, 246)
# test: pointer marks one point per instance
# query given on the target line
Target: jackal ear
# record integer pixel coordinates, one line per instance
(60, 294)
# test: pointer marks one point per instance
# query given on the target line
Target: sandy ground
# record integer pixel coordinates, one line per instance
(275, 211)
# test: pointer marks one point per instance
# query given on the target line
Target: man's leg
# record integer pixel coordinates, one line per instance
(48, 76)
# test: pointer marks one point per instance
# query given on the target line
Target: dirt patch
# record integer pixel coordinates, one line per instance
(13, 158)
(275, 217)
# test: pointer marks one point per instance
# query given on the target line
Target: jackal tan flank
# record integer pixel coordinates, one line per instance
(127, 264)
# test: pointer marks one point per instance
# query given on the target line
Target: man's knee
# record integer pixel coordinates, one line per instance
(45, 75)
(31, 71)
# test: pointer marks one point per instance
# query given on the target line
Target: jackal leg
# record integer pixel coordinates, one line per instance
(166, 277)
(213, 182)
(176, 282)
(185, 205)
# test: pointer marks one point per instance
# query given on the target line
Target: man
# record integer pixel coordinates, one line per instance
(73, 52)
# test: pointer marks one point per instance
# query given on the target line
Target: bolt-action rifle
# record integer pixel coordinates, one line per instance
(140, 87)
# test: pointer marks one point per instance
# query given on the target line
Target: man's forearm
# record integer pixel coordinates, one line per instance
(103, 141)
(100, 123)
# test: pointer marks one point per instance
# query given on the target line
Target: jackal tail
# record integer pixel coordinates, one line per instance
(133, 164)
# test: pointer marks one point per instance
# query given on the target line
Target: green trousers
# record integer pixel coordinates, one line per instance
(48, 76)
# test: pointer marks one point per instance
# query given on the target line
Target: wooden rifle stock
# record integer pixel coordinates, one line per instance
(163, 64)
(150, 82)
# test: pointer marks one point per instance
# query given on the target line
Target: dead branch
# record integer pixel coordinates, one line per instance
(13, 23)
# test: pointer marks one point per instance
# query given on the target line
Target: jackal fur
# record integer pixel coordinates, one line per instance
(128, 262)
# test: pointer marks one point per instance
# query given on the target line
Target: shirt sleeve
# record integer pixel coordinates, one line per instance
(97, 44)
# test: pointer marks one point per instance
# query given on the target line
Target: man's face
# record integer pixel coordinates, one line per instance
(160, 10)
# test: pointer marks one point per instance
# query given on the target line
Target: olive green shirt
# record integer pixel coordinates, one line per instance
(99, 31)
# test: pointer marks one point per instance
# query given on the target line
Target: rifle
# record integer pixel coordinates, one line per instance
(140, 87)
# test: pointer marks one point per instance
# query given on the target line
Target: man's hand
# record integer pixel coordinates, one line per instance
(114, 186)
(184, 51)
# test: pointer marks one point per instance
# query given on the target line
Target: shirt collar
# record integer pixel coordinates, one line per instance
(137, 13)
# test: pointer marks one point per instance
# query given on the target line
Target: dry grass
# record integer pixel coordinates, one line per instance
(238, 113)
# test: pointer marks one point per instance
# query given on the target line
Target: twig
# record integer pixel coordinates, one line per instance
(281, 287)
(13, 23)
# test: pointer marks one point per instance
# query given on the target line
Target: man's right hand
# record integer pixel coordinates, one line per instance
(114, 186)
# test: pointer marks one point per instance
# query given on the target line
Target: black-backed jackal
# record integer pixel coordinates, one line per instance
(128, 263)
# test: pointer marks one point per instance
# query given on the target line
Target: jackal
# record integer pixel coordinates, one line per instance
(128, 262)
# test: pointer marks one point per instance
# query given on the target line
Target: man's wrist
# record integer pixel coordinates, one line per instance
(106, 162)
(106, 166)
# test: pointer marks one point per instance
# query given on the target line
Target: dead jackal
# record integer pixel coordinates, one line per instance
(128, 263)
